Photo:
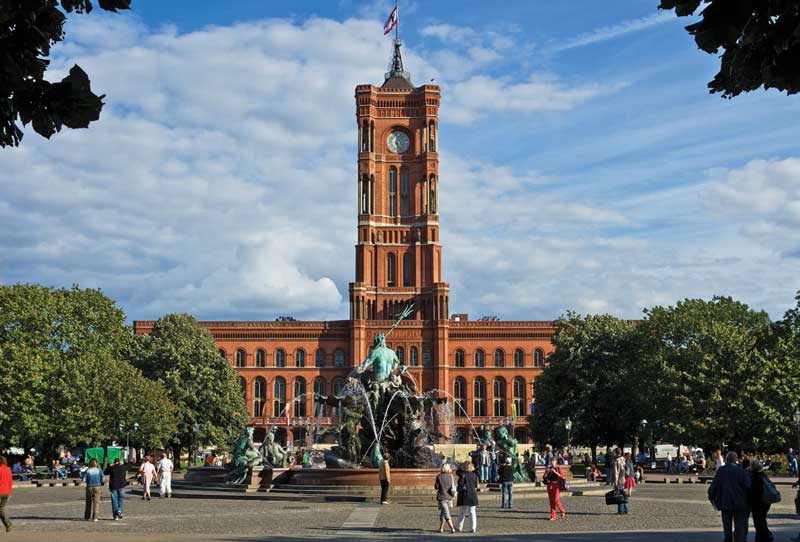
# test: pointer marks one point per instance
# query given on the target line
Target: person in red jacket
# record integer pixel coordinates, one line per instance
(5, 491)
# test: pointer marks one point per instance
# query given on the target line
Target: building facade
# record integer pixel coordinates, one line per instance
(486, 367)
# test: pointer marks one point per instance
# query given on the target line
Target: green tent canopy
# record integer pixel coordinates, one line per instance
(97, 453)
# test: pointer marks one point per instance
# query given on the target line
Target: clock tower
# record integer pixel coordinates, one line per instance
(398, 255)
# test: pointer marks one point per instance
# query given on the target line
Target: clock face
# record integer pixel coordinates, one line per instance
(398, 142)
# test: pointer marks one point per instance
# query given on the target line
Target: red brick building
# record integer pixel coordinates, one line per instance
(485, 366)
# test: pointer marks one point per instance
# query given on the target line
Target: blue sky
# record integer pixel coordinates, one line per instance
(584, 165)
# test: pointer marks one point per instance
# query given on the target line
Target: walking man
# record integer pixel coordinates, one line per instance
(385, 477)
(164, 475)
(486, 461)
(116, 484)
(619, 473)
(728, 493)
(507, 484)
(94, 481)
(5, 491)
(792, 459)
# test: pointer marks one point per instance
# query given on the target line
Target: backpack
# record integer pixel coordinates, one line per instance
(769, 493)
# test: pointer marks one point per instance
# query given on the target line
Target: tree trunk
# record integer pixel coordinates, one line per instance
(176, 454)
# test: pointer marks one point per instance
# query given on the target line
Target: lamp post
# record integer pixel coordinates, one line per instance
(568, 427)
(642, 427)
(127, 430)
(797, 424)
(195, 429)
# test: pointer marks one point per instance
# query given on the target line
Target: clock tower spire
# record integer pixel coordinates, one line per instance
(398, 254)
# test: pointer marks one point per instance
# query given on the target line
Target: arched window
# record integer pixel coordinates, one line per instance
(259, 396)
(459, 358)
(414, 357)
(338, 358)
(261, 358)
(243, 385)
(278, 397)
(460, 395)
(280, 358)
(241, 358)
(364, 137)
(538, 358)
(365, 186)
(408, 270)
(499, 396)
(319, 358)
(432, 136)
(499, 358)
(519, 396)
(319, 388)
(223, 353)
(401, 355)
(427, 357)
(404, 191)
(391, 270)
(372, 136)
(392, 191)
(299, 396)
(519, 358)
(479, 397)
(338, 386)
(300, 358)
(480, 358)
(432, 196)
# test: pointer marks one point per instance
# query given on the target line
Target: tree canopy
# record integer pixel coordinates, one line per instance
(759, 39)
(27, 32)
(183, 357)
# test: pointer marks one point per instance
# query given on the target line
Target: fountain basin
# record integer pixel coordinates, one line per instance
(405, 478)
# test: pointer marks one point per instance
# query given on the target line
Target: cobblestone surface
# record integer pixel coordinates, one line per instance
(657, 512)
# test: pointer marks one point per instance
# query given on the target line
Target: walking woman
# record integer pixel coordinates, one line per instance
(147, 472)
(553, 476)
(630, 475)
(445, 491)
(94, 481)
(467, 496)
(757, 506)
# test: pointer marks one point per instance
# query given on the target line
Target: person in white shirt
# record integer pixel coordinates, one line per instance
(164, 474)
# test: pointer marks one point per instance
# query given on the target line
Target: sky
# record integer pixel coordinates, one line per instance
(583, 164)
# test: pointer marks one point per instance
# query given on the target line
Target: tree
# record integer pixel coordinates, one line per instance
(63, 374)
(759, 38)
(602, 375)
(27, 31)
(716, 371)
(183, 357)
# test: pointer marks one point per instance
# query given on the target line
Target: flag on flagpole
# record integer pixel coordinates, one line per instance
(514, 412)
(391, 22)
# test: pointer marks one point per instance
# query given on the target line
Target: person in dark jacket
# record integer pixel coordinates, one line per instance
(468, 495)
(757, 506)
(445, 488)
(116, 484)
(507, 484)
(729, 493)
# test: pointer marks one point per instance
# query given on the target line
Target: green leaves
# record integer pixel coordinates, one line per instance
(760, 43)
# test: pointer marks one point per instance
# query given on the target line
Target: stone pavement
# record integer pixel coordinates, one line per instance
(658, 513)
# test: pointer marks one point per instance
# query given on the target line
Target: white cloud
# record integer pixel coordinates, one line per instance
(606, 33)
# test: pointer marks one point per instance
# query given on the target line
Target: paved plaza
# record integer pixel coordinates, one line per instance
(658, 512)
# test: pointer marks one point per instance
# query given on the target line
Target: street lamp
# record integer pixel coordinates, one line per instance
(127, 430)
(643, 426)
(797, 424)
(568, 427)
(195, 429)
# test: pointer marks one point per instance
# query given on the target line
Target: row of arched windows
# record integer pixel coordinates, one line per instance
(279, 395)
(499, 398)
(391, 270)
(240, 358)
(479, 358)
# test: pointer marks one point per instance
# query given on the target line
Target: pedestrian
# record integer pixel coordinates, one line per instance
(729, 493)
(467, 496)
(164, 475)
(630, 475)
(146, 474)
(94, 481)
(553, 476)
(494, 468)
(548, 454)
(117, 482)
(618, 477)
(718, 461)
(445, 487)
(609, 462)
(486, 462)
(668, 463)
(6, 481)
(385, 477)
(791, 457)
(759, 508)
(507, 484)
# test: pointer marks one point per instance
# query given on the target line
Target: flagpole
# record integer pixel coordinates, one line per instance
(397, 24)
